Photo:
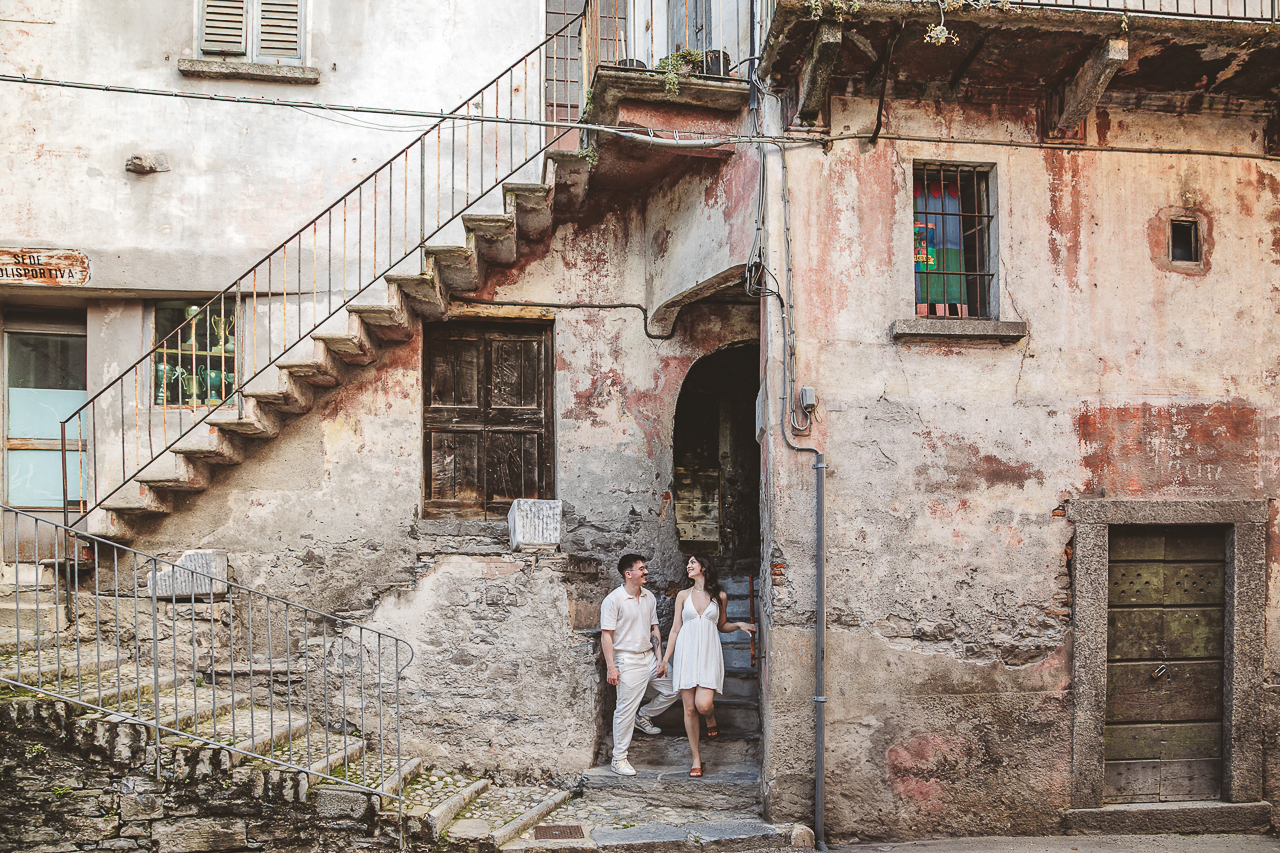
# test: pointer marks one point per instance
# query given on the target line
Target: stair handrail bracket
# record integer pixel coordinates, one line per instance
(198, 658)
(223, 356)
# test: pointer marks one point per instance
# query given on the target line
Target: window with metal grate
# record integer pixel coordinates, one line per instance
(953, 228)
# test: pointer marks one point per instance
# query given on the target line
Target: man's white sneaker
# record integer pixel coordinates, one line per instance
(646, 725)
(623, 768)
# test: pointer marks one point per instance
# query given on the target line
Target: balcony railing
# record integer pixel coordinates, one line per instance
(709, 38)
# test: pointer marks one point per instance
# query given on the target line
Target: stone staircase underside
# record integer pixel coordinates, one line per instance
(381, 317)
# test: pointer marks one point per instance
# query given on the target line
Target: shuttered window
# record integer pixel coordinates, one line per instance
(262, 30)
(224, 27)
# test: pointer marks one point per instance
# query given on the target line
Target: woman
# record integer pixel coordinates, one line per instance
(695, 642)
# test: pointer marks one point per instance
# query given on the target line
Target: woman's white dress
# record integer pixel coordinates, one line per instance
(698, 660)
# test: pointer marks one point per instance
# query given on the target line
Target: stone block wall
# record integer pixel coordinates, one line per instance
(73, 783)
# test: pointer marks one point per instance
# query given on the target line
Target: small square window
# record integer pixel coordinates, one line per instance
(1184, 240)
(953, 226)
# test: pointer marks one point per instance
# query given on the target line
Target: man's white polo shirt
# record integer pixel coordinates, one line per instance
(630, 619)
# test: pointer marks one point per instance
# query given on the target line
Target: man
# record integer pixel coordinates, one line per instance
(633, 656)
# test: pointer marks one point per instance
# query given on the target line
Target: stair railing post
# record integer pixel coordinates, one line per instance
(155, 659)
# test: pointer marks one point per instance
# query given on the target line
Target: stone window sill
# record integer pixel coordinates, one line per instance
(211, 70)
(958, 328)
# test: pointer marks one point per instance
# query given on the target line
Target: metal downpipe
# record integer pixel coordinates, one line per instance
(820, 645)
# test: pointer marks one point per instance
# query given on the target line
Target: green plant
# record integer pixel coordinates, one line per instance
(591, 154)
(35, 751)
(60, 790)
(587, 108)
(839, 7)
(939, 34)
(682, 63)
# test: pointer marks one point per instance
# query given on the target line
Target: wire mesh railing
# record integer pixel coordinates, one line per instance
(196, 657)
(215, 356)
(703, 37)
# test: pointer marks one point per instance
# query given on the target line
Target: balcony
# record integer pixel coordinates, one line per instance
(660, 67)
(1171, 56)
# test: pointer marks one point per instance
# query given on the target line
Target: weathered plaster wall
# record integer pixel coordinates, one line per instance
(328, 513)
(242, 176)
(948, 659)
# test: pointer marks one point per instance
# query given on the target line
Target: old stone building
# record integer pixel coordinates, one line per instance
(943, 331)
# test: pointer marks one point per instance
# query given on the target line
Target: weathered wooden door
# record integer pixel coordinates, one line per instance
(1163, 732)
(487, 417)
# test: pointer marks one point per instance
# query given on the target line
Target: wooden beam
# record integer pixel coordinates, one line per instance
(821, 60)
(1082, 93)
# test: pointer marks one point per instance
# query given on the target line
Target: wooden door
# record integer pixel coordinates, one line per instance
(487, 417)
(1163, 732)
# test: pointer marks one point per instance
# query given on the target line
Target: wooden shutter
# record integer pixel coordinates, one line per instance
(278, 29)
(224, 27)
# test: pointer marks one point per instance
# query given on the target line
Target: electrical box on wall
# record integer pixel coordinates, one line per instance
(808, 398)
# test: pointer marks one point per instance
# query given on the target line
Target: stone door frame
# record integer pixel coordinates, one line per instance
(1244, 624)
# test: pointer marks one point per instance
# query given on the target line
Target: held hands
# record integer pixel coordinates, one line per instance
(662, 668)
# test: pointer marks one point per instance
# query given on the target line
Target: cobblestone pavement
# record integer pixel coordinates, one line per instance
(1079, 844)
(618, 815)
(312, 746)
(432, 789)
(498, 806)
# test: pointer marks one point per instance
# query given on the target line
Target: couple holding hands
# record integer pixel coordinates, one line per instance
(633, 654)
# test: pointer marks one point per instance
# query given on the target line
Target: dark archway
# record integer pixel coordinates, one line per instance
(717, 460)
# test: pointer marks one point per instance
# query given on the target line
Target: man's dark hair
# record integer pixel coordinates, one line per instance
(627, 561)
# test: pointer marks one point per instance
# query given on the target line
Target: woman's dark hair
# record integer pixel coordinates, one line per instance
(711, 578)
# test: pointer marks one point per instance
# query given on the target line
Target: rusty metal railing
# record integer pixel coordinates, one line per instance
(709, 38)
(210, 357)
(196, 657)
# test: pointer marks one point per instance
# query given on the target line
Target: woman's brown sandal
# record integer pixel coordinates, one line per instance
(696, 772)
(713, 730)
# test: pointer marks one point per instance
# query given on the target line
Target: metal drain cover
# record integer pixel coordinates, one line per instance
(554, 832)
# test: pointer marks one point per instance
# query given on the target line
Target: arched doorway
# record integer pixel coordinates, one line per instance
(717, 460)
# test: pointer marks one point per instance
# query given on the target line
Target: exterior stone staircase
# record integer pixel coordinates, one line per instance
(381, 317)
(732, 779)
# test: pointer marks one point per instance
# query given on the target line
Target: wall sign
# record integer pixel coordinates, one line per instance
(44, 266)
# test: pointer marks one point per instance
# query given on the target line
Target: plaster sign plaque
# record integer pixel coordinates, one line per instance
(534, 525)
(195, 573)
(65, 267)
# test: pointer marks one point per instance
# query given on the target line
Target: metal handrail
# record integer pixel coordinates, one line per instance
(372, 230)
(714, 35)
(78, 643)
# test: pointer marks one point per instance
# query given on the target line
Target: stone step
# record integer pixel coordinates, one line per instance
(26, 574)
(175, 472)
(211, 445)
(53, 664)
(630, 828)
(732, 787)
(138, 499)
(733, 715)
(257, 421)
(314, 364)
(347, 337)
(494, 236)
(385, 312)
(281, 391)
(460, 268)
(531, 206)
(671, 749)
(29, 617)
(423, 292)
(569, 173)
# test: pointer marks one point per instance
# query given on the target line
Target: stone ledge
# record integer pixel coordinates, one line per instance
(210, 70)
(1103, 511)
(1162, 818)
(924, 328)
